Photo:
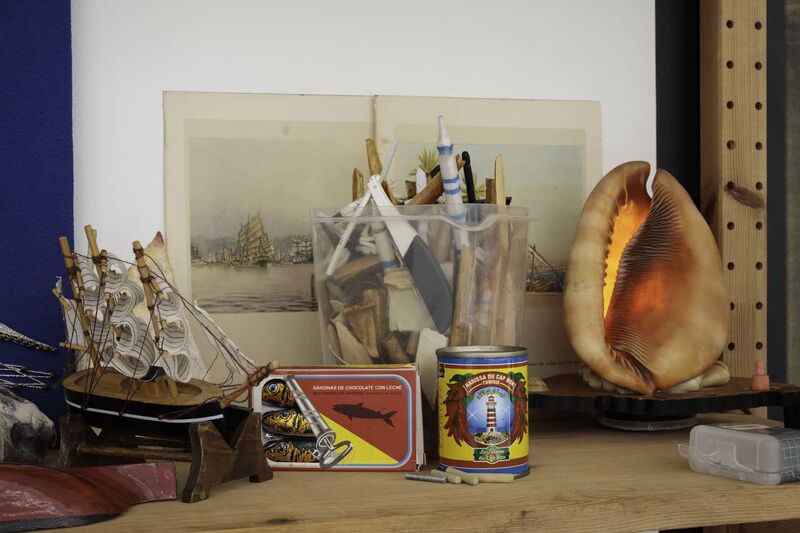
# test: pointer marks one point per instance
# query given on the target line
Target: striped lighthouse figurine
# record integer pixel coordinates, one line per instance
(491, 415)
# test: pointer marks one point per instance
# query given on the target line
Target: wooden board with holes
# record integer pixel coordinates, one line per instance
(733, 88)
(584, 478)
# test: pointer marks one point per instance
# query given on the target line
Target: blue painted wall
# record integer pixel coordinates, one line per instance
(35, 178)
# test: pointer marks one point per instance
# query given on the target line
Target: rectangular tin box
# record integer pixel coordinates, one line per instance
(373, 413)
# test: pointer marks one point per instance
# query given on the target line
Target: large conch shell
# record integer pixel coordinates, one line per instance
(644, 302)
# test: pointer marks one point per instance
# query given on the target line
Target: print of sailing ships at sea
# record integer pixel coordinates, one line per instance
(253, 272)
(254, 248)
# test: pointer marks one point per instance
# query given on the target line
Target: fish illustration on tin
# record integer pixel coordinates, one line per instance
(286, 422)
(277, 393)
(291, 451)
(358, 410)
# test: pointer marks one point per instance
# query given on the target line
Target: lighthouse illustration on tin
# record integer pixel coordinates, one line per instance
(491, 415)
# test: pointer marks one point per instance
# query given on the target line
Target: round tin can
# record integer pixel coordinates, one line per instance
(483, 409)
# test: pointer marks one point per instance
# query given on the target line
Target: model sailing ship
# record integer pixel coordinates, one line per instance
(137, 365)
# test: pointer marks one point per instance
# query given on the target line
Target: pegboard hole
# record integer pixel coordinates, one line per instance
(731, 225)
(758, 65)
(759, 225)
(759, 185)
(733, 306)
(730, 185)
(731, 346)
(730, 144)
(759, 146)
(729, 23)
(729, 104)
(729, 64)
(759, 306)
(758, 24)
(759, 105)
(759, 265)
(731, 266)
(759, 345)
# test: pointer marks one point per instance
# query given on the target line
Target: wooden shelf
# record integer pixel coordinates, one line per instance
(584, 478)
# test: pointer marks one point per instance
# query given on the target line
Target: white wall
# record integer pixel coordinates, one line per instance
(126, 52)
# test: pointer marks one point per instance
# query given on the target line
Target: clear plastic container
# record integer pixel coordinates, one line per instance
(416, 276)
(748, 452)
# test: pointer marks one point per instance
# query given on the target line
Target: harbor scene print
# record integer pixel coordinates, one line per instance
(251, 193)
(253, 273)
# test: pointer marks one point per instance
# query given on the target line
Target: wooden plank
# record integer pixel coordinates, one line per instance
(733, 164)
(584, 478)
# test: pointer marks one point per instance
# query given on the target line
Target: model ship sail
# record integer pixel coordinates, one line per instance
(253, 246)
(109, 321)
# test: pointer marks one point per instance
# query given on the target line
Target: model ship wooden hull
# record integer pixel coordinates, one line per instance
(114, 400)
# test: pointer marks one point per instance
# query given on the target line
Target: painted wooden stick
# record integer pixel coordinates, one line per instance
(451, 181)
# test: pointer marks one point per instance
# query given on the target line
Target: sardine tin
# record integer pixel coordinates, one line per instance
(483, 409)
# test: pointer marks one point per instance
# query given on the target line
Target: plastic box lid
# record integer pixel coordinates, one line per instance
(749, 452)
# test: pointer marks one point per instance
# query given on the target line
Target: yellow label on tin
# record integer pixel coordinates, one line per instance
(483, 413)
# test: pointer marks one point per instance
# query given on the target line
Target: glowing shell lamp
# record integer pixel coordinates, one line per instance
(644, 300)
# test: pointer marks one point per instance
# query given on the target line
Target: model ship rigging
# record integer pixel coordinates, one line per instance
(136, 362)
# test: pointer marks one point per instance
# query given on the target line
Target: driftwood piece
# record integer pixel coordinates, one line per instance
(377, 298)
(352, 351)
(358, 184)
(373, 159)
(388, 190)
(357, 268)
(333, 339)
(411, 189)
(491, 192)
(398, 278)
(413, 342)
(464, 305)
(499, 181)
(394, 351)
(441, 243)
(361, 319)
(407, 311)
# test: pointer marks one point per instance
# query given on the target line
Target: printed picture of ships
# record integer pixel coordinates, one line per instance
(543, 276)
(252, 272)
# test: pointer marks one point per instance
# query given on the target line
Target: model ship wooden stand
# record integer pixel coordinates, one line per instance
(146, 413)
(215, 457)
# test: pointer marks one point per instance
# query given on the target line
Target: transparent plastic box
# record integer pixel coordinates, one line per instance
(748, 452)
(419, 274)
